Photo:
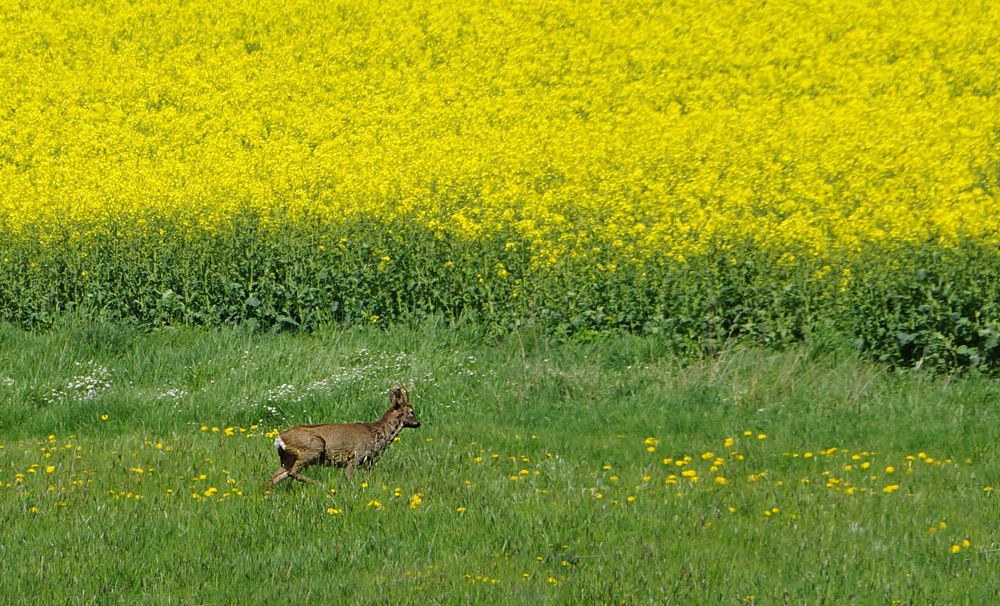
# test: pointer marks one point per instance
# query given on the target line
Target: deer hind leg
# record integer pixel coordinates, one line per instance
(278, 476)
(290, 468)
(294, 472)
(288, 461)
(283, 473)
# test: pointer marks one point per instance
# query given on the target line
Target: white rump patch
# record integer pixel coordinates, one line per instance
(279, 443)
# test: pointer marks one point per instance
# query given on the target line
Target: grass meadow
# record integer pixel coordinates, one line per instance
(132, 467)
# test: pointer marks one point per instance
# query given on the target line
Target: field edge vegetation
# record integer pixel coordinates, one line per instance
(909, 305)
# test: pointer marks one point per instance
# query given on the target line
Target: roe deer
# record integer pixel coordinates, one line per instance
(347, 445)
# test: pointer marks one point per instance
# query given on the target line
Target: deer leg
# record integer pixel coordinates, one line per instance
(278, 476)
(294, 473)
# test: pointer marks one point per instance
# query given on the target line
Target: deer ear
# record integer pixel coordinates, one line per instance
(394, 398)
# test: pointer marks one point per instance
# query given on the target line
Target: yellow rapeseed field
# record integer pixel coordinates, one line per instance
(704, 170)
(657, 128)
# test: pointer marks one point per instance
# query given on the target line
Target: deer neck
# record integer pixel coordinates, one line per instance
(387, 428)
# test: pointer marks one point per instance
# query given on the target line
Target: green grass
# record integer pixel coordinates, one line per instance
(542, 445)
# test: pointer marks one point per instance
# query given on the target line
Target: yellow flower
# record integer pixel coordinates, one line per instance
(50, 469)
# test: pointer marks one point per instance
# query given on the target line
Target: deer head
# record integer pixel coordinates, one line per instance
(399, 397)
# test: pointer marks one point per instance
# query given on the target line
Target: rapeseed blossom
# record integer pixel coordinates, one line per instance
(806, 127)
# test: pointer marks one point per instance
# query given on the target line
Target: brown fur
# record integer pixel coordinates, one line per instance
(348, 445)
